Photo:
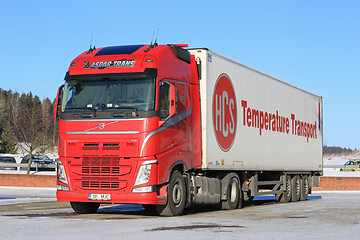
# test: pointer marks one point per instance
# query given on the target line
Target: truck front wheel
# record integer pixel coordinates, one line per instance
(85, 207)
(176, 196)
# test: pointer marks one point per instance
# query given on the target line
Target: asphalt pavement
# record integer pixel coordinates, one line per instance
(33, 213)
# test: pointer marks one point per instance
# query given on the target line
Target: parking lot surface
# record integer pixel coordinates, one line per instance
(33, 213)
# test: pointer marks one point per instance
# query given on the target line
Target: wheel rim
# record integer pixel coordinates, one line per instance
(177, 193)
(288, 187)
(233, 192)
(297, 186)
(306, 186)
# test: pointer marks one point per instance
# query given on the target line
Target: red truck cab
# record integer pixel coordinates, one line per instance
(128, 126)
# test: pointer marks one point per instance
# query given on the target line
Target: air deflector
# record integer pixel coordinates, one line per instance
(118, 50)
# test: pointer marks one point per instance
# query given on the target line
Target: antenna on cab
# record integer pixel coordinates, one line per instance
(157, 34)
(91, 49)
(155, 43)
(152, 38)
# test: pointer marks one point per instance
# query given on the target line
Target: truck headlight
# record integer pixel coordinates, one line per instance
(144, 172)
(61, 175)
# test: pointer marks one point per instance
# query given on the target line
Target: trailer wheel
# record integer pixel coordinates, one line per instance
(85, 207)
(285, 196)
(176, 196)
(233, 195)
(296, 186)
(304, 189)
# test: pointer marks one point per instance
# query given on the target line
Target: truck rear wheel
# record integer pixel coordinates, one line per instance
(233, 195)
(296, 186)
(285, 196)
(85, 207)
(304, 189)
(176, 196)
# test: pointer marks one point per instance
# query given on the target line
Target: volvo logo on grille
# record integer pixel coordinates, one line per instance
(101, 125)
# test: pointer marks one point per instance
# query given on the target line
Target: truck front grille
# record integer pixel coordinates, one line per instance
(103, 146)
(101, 172)
(99, 184)
(100, 161)
(90, 146)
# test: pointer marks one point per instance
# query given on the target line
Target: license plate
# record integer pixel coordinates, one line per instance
(100, 197)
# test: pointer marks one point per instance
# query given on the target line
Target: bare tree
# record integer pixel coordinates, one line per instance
(27, 124)
(48, 126)
(15, 108)
(2, 110)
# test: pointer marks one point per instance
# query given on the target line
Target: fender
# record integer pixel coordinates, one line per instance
(174, 165)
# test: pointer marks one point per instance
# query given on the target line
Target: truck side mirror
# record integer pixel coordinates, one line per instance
(167, 101)
(57, 105)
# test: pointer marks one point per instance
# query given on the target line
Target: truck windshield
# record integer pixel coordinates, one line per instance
(138, 94)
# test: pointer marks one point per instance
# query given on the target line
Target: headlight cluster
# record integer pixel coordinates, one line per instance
(144, 172)
(61, 175)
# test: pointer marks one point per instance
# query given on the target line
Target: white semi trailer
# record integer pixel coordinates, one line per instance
(259, 129)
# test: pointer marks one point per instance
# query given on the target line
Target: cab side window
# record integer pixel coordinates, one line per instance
(164, 101)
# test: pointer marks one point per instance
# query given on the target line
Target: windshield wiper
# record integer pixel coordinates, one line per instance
(85, 108)
(90, 108)
(134, 108)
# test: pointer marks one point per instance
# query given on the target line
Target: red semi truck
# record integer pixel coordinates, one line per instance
(168, 127)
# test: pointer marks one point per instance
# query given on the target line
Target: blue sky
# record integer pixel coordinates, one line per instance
(312, 44)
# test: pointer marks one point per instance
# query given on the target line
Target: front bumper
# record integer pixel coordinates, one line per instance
(132, 198)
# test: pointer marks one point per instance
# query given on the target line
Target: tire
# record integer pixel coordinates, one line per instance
(305, 188)
(285, 196)
(176, 196)
(296, 186)
(85, 207)
(233, 199)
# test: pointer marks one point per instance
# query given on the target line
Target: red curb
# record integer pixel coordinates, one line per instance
(22, 180)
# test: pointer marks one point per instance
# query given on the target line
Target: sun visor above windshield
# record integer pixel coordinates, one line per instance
(148, 73)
